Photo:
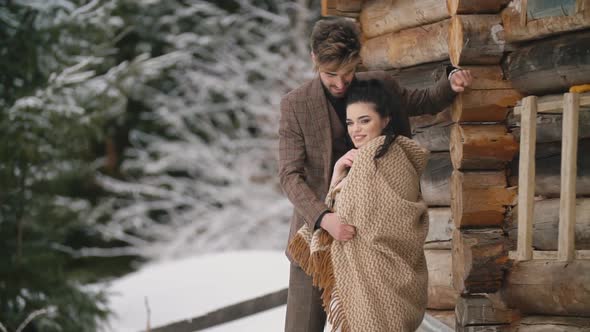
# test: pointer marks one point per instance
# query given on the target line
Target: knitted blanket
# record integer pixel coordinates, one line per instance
(378, 280)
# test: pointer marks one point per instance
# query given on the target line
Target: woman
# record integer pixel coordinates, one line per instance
(377, 281)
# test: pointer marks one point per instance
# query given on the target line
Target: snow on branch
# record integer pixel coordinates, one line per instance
(206, 178)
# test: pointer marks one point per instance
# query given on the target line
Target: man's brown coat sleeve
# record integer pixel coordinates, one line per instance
(426, 101)
(292, 157)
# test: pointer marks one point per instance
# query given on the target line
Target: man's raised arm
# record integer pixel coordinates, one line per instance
(437, 97)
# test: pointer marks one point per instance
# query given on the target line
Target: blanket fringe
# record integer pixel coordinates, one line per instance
(319, 266)
(300, 252)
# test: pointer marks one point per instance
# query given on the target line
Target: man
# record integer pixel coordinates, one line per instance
(312, 136)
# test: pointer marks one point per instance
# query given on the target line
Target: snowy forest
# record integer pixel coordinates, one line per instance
(132, 132)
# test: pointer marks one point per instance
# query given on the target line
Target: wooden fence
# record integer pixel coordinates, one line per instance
(227, 314)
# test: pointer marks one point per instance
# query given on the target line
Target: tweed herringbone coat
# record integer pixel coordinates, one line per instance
(305, 139)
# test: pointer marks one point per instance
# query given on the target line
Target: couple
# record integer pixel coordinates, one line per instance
(359, 225)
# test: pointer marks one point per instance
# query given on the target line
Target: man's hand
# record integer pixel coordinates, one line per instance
(339, 231)
(460, 80)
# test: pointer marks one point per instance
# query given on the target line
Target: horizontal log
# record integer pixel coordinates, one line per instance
(553, 324)
(343, 8)
(483, 105)
(407, 48)
(329, 8)
(548, 169)
(551, 65)
(534, 324)
(379, 17)
(536, 9)
(429, 120)
(488, 77)
(546, 224)
(476, 39)
(481, 146)
(479, 199)
(435, 138)
(421, 76)
(435, 180)
(482, 310)
(475, 6)
(517, 30)
(484, 328)
(480, 257)
(549, 287)
(441, 294)
(349, 5)
(549, 126)
(550, 255)
(440, 230)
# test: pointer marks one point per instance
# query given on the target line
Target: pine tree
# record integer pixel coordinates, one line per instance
(61, 83)
(186, 92)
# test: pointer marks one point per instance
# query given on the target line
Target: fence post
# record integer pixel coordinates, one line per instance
(569, 156)
(526, 178)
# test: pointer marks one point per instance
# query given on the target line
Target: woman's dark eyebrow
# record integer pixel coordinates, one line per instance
(360, 117)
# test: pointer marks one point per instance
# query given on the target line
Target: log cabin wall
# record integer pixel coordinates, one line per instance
(550, 53)
(481, 148)
(471, 180)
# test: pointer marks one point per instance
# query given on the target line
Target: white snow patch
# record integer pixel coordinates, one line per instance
(194, 286)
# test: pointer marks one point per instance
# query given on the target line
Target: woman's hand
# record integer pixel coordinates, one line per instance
(339, 231)
(344, 163)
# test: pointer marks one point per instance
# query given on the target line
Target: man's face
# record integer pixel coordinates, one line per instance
(337, 82)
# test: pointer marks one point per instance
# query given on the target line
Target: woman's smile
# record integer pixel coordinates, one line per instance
(358, 138)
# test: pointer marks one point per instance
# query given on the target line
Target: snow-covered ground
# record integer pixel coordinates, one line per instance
(194, 286)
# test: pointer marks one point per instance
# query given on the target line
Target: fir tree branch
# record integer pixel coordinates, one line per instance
(32, 316)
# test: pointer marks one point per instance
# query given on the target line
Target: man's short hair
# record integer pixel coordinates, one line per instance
(336, 43)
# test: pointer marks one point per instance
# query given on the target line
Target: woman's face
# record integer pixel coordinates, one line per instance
(364, 123)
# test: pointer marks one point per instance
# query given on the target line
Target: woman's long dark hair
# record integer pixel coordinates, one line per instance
(386, 105)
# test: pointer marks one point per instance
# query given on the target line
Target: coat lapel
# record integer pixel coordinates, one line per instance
(318, 113)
